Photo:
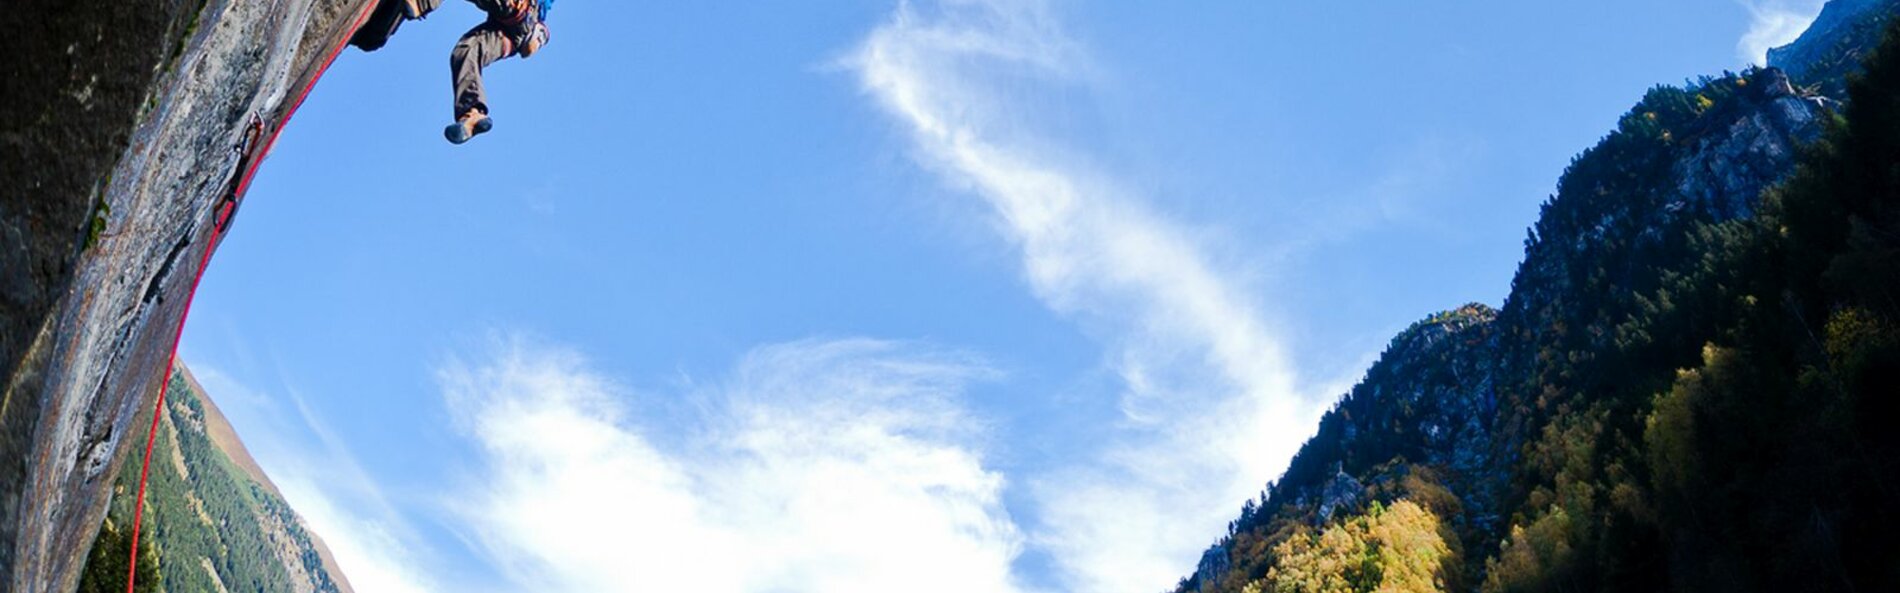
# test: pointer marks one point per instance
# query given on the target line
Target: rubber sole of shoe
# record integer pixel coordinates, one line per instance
(456, 133)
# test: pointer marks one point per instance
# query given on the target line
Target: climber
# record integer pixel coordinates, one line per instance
(513, 28)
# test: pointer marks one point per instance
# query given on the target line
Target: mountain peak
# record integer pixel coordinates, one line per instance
(1835, 44)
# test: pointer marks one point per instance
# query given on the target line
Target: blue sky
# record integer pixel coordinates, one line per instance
(854, 295)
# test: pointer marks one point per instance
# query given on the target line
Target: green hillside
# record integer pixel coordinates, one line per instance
(213, 522)
(1691, 387)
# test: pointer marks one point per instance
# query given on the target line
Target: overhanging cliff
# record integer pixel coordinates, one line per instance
(124, 128)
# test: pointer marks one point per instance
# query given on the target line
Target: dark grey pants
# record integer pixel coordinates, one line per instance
(481, 46)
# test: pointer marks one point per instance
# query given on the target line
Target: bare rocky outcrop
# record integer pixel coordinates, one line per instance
(1730, 165)
(122, 127)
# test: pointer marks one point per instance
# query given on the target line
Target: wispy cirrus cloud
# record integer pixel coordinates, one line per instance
(1774, 23)
(817, 466)
(852, 465)
(1209, 409)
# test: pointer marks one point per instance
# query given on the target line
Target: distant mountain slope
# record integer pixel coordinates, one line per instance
(215, 521)
(225, 438)
(1690, 387)
(1835, 44)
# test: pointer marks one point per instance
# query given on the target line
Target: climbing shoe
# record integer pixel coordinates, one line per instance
(473, 124)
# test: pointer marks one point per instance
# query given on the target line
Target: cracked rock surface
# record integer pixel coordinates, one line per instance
(120, 129)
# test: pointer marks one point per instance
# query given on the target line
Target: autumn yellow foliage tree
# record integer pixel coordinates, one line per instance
(1395, 549)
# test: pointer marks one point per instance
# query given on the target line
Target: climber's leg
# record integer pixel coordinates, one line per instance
(481, 46)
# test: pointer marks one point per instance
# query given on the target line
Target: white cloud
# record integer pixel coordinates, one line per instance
(820, 466)
(852, 465)
(1210, 410)
(1774, 23)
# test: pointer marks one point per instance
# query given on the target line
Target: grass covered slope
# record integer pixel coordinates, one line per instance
(1692, 386)
(214, 522)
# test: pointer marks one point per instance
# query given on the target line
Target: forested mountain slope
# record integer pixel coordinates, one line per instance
(213, 522)
(1690, 386)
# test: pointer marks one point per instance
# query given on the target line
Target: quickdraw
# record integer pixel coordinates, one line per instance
(226, 211)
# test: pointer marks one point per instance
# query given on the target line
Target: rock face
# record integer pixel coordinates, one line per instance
(121, 142)
(77, 83)
(1342, 493)
(1739, 156)
(1214, 563)
(1428, 400)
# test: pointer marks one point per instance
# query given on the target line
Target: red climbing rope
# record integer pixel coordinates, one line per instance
(220, 222)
